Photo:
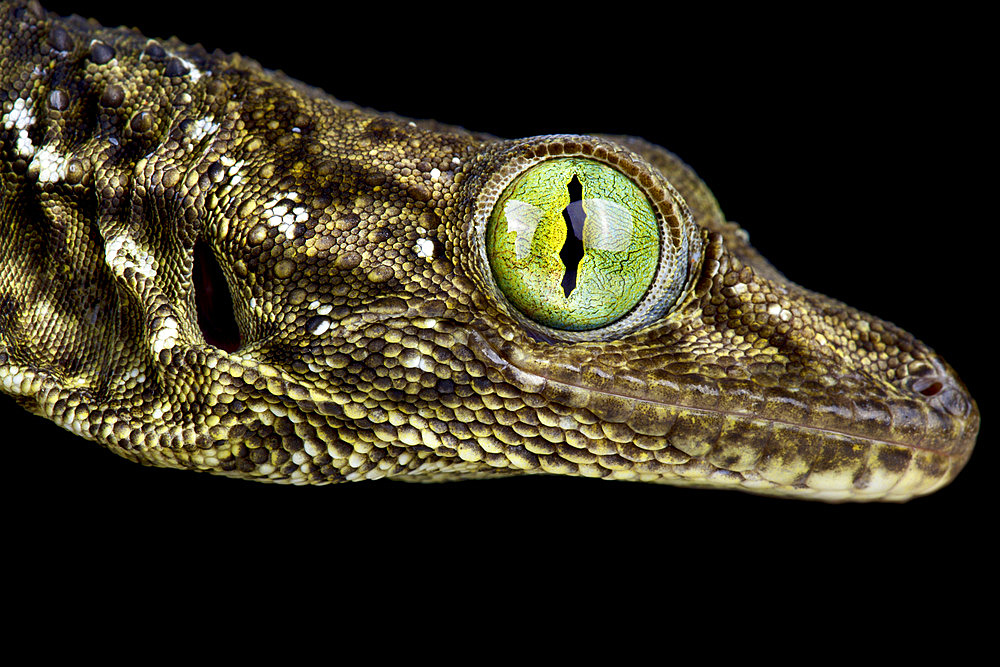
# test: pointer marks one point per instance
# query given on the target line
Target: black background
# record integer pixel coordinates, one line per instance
(844, 144)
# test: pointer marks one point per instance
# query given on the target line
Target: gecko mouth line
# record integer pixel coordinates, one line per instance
(488, 350)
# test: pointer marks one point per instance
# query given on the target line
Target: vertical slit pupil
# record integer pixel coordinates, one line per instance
(572, 250)
(213, 300)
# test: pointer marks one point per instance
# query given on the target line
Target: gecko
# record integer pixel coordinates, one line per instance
(394, 288)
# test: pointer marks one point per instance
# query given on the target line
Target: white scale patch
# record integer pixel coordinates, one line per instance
(319, 326)
(20, 118)
(425, 248)
(414, 361)
(204, 127)
(232, 169)
(14, 380)
(166, 336)
(50, 164)
(776, 309)
(278, 213)
(121, 251)
(321, 309)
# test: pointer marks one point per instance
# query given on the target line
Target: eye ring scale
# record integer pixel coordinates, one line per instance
(582, 240)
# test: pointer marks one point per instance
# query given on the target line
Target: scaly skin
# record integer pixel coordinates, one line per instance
(374, 342)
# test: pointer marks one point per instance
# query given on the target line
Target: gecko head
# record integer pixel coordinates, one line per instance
(456, 306)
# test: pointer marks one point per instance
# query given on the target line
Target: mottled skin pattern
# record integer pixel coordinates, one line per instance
(365, 351)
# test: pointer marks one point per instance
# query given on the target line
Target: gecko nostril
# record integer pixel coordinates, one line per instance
(927, 386)
(943, 393)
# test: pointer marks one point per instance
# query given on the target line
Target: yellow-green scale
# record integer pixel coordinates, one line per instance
(527, 232)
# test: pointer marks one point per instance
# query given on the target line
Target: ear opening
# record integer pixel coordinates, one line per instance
(216, 317)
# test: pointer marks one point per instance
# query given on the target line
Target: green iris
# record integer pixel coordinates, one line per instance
(573, 244)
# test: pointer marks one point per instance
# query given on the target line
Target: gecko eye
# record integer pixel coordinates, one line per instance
(573, 244)
(581, 253)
